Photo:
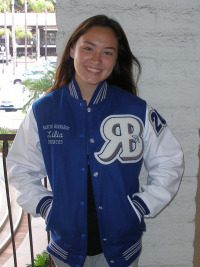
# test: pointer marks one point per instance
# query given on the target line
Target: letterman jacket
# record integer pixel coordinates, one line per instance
(117, 132)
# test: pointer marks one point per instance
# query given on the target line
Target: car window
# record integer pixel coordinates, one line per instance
(29, 72)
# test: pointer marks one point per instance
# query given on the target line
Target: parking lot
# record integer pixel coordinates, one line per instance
(11, 93)
(13, 96)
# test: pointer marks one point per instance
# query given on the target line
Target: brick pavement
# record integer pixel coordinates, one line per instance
(19, 237)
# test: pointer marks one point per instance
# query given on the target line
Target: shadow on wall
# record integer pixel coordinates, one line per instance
(196, 262)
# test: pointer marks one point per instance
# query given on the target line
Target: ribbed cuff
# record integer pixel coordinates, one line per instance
(140, 205)
(43, 206)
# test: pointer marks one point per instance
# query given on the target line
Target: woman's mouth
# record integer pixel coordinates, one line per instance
(93, 70)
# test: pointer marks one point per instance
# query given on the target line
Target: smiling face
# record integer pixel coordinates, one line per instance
(95, 54)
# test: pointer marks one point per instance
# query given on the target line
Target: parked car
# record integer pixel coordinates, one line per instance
(34, 73)
(3, 56)
(12, 99)
(6, 102)
(49, 61)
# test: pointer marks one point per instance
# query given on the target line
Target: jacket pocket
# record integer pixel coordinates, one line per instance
(135, 209)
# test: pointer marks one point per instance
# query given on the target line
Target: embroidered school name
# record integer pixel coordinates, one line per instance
(55, 133)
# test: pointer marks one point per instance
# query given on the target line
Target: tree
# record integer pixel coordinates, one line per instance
(19, 8)
(20, 32)
(2, 31)
(37, 88)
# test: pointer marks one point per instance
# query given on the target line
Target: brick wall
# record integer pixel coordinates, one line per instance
(165, 36)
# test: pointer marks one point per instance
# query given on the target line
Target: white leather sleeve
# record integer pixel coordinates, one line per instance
(163, 160)
(25, 166)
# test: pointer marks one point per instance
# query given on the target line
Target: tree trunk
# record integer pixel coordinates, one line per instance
(13, 37)
(25, 11)
(37, 39)
(5, 32)
(45, 34)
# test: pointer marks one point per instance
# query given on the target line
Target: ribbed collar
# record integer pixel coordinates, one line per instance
(98, 96)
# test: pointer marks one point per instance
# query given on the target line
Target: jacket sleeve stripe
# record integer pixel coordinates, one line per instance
(140, 206)
(43, 206)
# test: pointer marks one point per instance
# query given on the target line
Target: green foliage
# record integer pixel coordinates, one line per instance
(37, 88)
(41, 5)
(6, 131)
(19, 5)
(41, 260)
(20, 32)
(2, 31)
(2, 3)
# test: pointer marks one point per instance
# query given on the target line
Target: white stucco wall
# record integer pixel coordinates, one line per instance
(165, 36)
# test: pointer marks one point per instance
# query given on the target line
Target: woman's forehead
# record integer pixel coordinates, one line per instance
(100, 35)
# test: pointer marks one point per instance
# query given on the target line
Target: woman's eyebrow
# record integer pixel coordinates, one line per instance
(107, 47)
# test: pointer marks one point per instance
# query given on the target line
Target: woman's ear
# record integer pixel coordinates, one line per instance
(71, 52)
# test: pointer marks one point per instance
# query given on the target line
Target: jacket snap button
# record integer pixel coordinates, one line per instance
(89, 109)
(100, 207)
(95, 174)
(91, 140)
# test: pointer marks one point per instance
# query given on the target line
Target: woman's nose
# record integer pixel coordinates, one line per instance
(96, 58)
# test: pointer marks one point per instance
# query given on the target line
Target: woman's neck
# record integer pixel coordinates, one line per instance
(87, 94)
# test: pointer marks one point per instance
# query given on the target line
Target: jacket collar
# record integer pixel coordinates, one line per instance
(98, 96)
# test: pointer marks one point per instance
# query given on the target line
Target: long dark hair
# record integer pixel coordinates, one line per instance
(122, 75)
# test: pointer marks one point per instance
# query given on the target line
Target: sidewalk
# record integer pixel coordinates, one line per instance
(39, 244)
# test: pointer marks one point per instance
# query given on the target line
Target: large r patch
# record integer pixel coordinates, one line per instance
(122, 135)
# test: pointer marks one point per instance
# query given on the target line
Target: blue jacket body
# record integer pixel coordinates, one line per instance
(69, 131)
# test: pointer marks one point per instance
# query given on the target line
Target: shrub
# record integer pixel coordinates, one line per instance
(41, 260)
(37, 88)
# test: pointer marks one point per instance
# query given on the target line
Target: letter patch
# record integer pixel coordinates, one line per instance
(55, 133)
(122, 135)
(157, 121)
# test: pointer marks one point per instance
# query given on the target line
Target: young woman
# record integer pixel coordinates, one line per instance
(90, 135)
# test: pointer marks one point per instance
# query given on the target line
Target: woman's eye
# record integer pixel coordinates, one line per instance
(88, 48)
(107, 53)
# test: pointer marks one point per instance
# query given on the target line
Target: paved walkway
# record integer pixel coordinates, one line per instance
(19, 237)
(22, 243)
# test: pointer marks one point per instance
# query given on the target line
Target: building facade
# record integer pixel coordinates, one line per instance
(46, 25)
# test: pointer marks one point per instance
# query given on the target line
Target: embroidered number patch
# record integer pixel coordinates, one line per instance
(157, 121)
(122, 135)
